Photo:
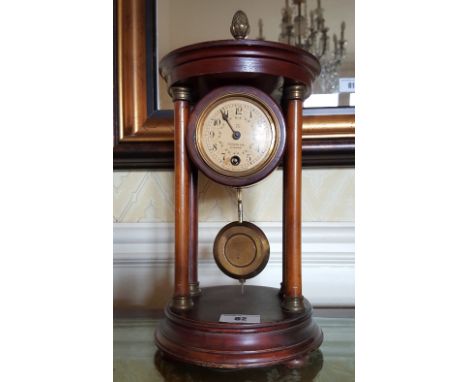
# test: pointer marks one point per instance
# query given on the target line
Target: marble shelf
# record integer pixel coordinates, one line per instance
(136, 358)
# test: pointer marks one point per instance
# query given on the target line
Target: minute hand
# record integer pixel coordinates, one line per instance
(225, 116)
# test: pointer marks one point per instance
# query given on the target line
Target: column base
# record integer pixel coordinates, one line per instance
(181, 303)
(293, 304)
(194, 289)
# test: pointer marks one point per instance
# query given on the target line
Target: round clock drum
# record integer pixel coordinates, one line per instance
(236, 135)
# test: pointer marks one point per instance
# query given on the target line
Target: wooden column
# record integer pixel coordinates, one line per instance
(292, 206)
(182, 178)
(194, 285)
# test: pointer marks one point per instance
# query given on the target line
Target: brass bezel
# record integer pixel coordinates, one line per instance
(270, 115)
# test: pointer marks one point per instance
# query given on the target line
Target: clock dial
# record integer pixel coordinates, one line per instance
(238, 135)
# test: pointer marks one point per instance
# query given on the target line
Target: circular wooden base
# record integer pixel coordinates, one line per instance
(197, 337)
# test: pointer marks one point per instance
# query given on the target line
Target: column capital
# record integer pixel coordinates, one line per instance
(180, 93)
(294, 92)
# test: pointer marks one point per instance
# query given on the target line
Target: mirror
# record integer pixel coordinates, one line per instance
(184, 22)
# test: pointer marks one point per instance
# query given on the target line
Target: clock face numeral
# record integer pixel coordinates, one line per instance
(245, 131)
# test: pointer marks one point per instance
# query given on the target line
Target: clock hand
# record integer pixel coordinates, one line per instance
(225, 115)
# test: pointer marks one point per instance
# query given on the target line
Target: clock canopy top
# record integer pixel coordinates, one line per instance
(264, 64)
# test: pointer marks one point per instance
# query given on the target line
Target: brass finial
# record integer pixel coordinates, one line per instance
(240, 25)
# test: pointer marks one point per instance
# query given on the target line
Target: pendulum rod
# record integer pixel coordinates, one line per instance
(182, 178)
(292, 194)
(240, 208)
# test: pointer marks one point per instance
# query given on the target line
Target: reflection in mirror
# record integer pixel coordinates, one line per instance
(185, 22)
(180, 372)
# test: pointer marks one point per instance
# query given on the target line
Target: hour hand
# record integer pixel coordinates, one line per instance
(225, 116)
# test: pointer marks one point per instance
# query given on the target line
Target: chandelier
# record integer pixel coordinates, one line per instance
(308, 31)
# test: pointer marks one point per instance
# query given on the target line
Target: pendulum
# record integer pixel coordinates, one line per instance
(241, 249)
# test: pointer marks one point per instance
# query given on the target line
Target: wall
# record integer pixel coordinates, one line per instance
(144, 246)
(184, 22)
(143, 197)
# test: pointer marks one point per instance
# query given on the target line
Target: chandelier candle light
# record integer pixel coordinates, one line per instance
(313, 37)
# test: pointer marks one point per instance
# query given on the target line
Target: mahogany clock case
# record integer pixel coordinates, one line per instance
(191, 331)
(270, 107)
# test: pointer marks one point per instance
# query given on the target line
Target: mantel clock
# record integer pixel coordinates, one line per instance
(237, 114)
